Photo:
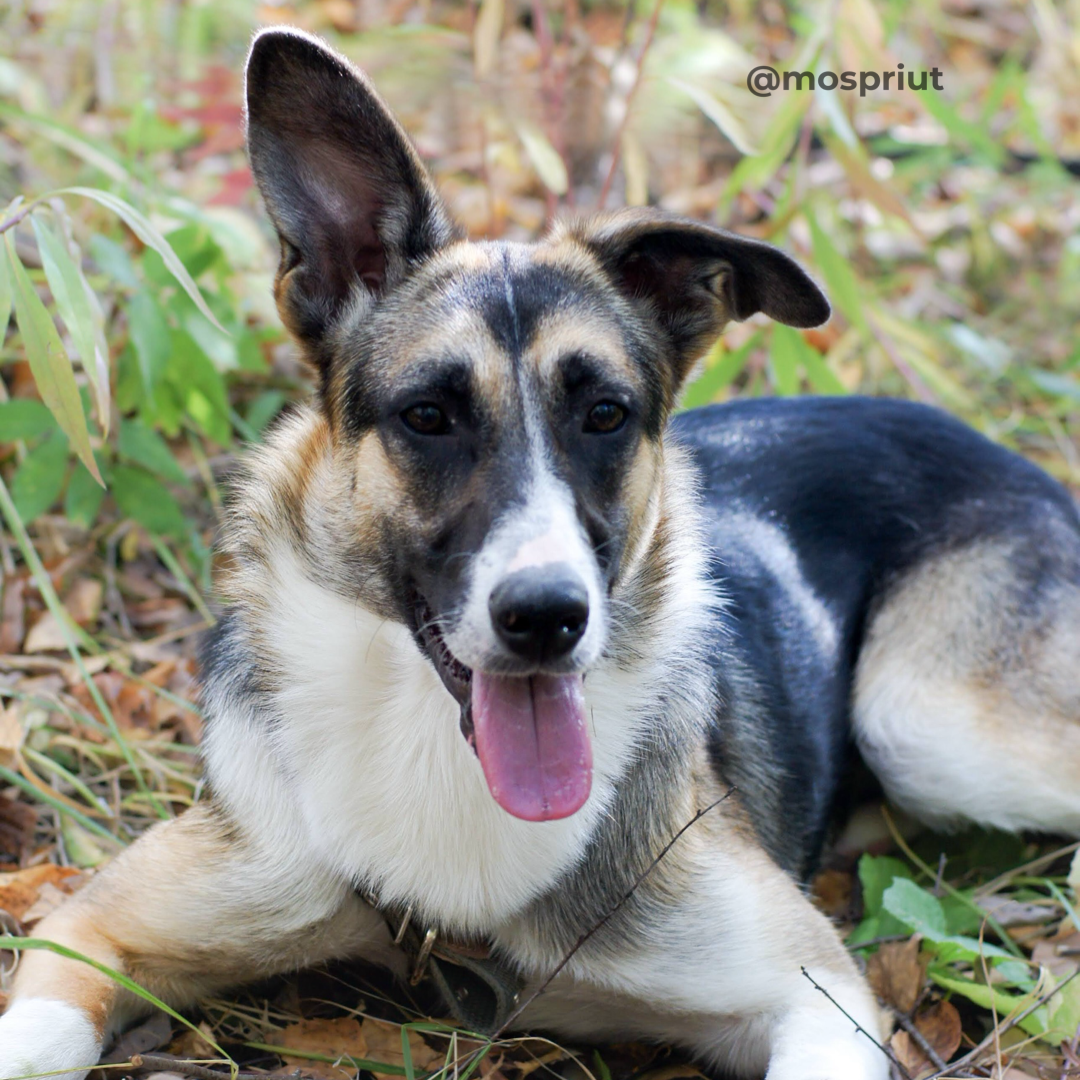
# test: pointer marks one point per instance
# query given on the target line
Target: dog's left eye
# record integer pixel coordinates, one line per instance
(605, 418)
(426, 419)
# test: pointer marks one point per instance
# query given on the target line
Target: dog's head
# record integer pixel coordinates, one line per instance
(497, 409)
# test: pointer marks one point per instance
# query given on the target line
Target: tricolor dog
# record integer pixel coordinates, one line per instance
(497, 626)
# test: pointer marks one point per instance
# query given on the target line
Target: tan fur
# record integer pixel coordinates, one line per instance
(966, 704)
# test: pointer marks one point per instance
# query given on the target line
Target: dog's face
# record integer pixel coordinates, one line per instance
(496, 411)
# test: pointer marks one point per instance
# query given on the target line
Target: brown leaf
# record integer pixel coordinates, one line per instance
(46, 635)
(17, 823)
(896, 972)
(831, 893)
(11, 734)
(940, 1027)
(83, 600)
(329, 1037)
(1061, 955)
(20, 890)
(384, 1044)
(12, 618)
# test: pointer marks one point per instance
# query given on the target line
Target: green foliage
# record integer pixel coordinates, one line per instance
(175, 349)
(955, 938)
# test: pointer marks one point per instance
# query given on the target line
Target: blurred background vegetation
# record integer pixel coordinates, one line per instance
(139, 345)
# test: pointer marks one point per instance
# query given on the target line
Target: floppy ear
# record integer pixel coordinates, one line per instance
(350, 199)
(695, 278)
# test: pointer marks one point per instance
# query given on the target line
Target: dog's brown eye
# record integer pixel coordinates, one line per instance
(605, 418)
(426, 419)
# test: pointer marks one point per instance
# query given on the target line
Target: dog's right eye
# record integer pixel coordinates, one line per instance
(426, 419)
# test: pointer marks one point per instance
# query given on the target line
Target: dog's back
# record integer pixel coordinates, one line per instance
(848, 530)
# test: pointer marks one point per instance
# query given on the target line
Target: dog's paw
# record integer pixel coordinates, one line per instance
(38, 1035)
(836, 1061)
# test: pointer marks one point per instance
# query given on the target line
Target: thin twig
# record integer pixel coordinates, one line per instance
(597, 926)
(168, 1063)
(19, 215)
(886, 1050)
(1002, 880)
(919, 1039)
(617, 148)
(1020, 1017)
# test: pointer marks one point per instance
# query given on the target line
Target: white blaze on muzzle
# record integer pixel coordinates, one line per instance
(535, 605)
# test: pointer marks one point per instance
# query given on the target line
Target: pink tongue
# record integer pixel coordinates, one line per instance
(532, 743)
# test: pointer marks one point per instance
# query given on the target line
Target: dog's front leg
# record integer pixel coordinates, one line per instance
(759, 953)
(710, 954)
(191, 907)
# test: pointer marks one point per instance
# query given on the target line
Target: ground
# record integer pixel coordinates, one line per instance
(945, 226)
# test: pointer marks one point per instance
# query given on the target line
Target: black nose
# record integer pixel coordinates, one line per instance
(540, 613)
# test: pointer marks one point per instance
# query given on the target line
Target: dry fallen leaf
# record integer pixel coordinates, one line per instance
(1059, 954)
(17, 823)
(46, 635)
(831, 893)
(20, 890)
(342, 1036)
(12, 618)
(384, 1044)
(940, 1027)
(83, 600)
(11, 734)
(896, 973)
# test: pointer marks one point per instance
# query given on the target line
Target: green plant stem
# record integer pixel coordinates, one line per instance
(52, 601)
(130, 985)
(87, 823)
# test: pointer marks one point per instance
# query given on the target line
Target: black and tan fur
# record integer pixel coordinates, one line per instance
(767, 584)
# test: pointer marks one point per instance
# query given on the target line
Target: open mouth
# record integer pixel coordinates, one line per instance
(529, 731)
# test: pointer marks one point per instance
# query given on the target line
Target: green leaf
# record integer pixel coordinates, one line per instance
(151, 337)
(722, 368)
(113, 260)
(146, 232)
(915, 908)
(876, 874)
(264, 408)
(79, 845)
(83, 498)
(5, 297)
(146, 500)
(716, 111)
(122, 980)
(785, 356)
(147, 448)
(406, 1053)
(818, 373)
(199, 385)
(194, 247)
(843, 286)
(97, 155)
(81, 316)
(1064, 1013)
(40, 478)
(23, 418)
(48, 364)
(986, 997)
(924, 913)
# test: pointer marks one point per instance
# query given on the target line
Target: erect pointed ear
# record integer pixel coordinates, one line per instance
(350, 199)
(695, 278)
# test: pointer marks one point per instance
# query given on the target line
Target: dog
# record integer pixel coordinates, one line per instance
(499, 626)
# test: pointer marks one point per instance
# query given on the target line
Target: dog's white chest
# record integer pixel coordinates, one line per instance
(367, 751)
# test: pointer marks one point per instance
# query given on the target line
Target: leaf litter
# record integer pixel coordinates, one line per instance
(955, 278)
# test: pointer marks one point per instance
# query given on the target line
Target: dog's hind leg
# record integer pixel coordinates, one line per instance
(967, 691)
(191, 907)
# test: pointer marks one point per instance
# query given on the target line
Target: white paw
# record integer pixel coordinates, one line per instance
(840, 1060)
(38, 1035)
